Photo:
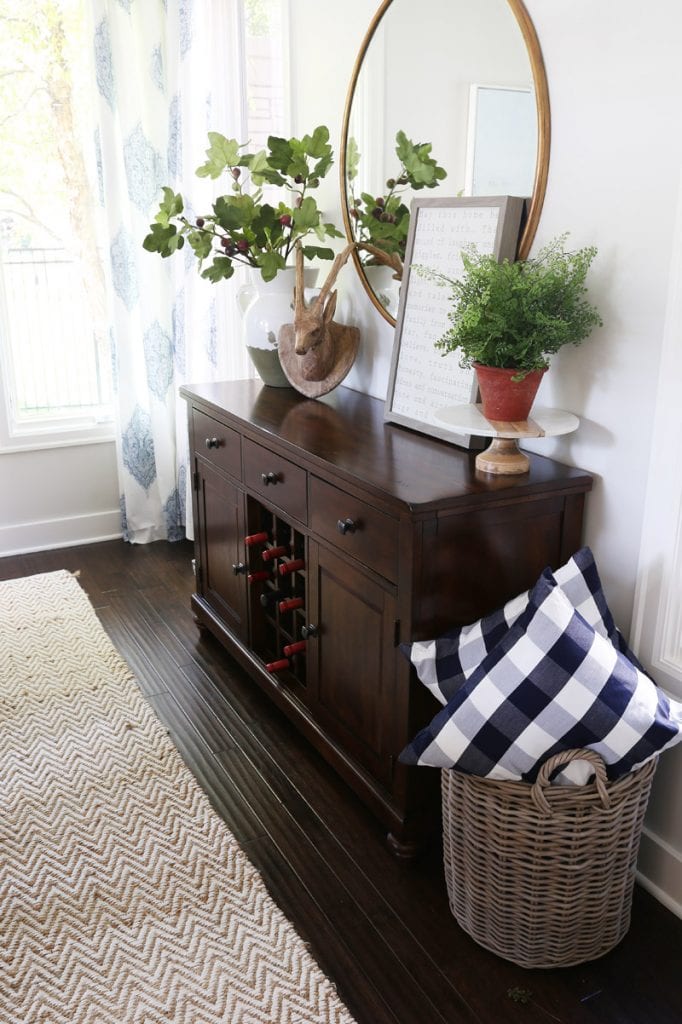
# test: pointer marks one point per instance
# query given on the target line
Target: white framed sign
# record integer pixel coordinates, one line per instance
(422, 379)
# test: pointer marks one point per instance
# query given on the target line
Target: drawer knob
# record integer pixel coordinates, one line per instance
(309, 631)
(269, 478)
(345, 526)
(212, 442)
(238, 568)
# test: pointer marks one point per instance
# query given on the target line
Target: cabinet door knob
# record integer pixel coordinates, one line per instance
(310, 631)
(269, 478)
(212, 442)
(238, 568)
(345, 526)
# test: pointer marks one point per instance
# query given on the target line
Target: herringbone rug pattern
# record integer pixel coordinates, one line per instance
(124, 899)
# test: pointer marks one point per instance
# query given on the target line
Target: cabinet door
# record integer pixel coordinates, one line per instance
(220, 540)
(352, 659)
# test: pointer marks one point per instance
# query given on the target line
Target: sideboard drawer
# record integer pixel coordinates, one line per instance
(355, 527)
(219, 444)
(276, 479)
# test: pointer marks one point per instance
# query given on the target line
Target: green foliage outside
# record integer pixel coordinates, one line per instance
(242, 227)
(516, 314)
(384, 220)
(45, 97)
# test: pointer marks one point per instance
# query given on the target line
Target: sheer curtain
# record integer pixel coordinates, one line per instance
(167, 72)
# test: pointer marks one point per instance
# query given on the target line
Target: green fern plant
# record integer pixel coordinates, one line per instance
(515, 315)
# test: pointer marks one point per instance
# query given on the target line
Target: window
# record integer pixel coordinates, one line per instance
(54, 334)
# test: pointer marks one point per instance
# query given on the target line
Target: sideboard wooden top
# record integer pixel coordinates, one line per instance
(346, 429)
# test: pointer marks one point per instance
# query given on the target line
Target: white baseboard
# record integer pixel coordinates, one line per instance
(43, 535)
(659, 870)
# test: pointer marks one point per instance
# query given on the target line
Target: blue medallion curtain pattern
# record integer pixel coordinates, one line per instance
(155, 61)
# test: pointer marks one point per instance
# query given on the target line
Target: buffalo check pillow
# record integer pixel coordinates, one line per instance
(552, 683)
(444, 664)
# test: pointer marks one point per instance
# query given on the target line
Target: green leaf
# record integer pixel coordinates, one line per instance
(306, 216)
(270, 263)
(352, 159)
(332, 232)
(312, 251)
(279, 153)
(322, 166)
(222, 153)
(316, 145)
(220, 270)
(421, 168)
(170, 206)
(201, 242)
(234, 213)
(261, 171)
(163, 239)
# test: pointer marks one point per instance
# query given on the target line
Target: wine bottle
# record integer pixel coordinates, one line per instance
(256, 577)
(277, 666)
(257, 538)
(269, 554)
(293, 566)
(298, 647)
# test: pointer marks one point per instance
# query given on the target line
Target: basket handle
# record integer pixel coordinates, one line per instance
(557, 761)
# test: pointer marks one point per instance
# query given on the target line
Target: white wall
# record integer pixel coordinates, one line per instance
(615, 85)
(56, 497)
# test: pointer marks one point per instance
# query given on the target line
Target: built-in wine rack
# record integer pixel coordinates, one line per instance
(275, 562)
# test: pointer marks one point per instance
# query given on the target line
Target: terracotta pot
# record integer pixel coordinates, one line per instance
(503, 398)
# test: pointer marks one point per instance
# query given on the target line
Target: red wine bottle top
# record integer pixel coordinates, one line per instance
(277, 666)
(256, 538)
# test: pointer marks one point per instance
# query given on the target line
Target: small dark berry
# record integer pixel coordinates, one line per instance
(225, 241)
(403, 179)
(285, 220)
(236, 172)
(243, 245)
(377, 212)
(299, 179)
(200, 222)
(390, 183)
(380, 200)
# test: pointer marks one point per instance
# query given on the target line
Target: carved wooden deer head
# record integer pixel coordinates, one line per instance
(312, 323)
(315, 348)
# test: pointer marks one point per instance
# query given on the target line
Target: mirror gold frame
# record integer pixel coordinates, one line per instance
(543, 145)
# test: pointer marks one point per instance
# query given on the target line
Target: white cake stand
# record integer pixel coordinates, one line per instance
(503, 455)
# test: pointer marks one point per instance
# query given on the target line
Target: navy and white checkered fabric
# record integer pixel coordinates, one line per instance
(444, 664)
(552, 683)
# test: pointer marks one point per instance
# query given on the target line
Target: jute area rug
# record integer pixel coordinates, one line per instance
(124, 899)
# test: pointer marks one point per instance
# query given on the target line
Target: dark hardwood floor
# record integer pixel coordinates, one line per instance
(382, 931)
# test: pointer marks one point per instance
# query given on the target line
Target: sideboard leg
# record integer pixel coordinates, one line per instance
(404, 849)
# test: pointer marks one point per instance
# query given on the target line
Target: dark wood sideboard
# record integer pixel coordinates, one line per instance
(387, 535)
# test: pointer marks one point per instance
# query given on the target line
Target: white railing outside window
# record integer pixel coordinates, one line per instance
(58, 371)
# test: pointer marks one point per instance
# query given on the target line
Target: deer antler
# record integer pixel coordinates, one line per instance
(299, 297)
(390, 259)
(330, 281)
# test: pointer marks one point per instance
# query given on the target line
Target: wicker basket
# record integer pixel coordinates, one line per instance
(543, 875)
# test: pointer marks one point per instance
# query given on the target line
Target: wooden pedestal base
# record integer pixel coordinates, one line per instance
(503, 456)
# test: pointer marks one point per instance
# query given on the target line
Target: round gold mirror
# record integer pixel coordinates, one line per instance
(447, 99)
